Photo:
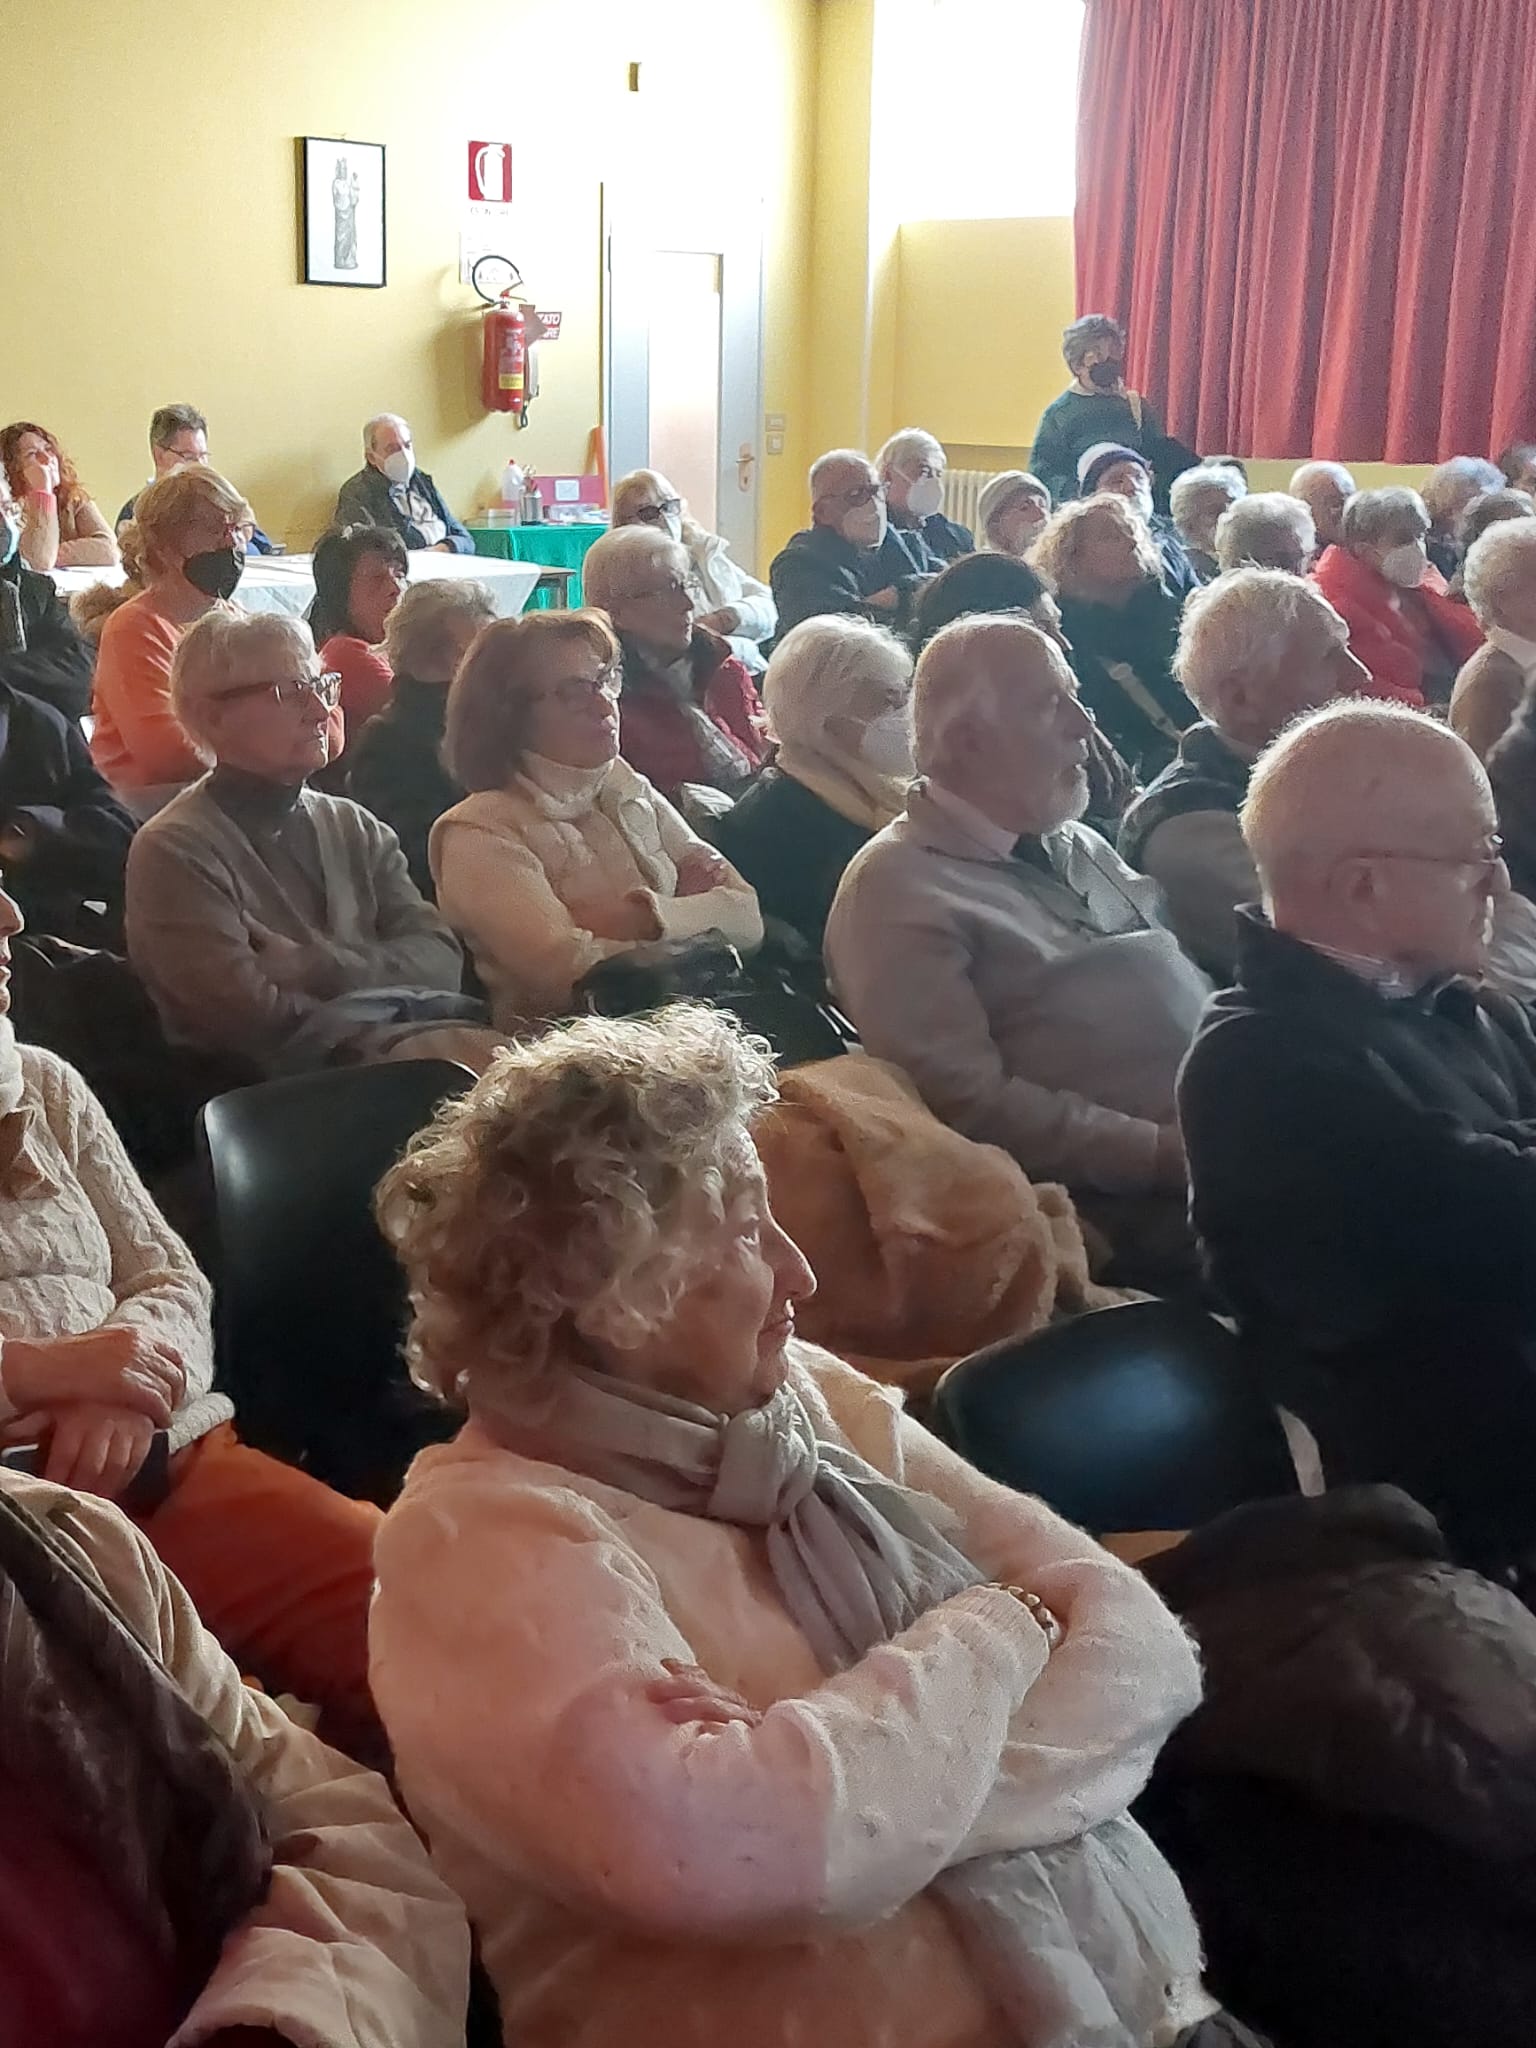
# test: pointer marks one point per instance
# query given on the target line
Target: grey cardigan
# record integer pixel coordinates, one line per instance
(203, 906)
(1046, 1014)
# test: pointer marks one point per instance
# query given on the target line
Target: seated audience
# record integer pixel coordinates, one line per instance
(1095, 409)
(389, 490)
(1006, 958)
(1267, 530)
(1500, 583)
(1411, 636)
(1122, 622)
(850, 558)
(360, 574)
(994, 582)
(562, 855)
(395, 764)
(691, 713)
(1485, 510)
(178, 435)
(1325, 488)
(1359, 1120)
(1518, 466)
(182, 1860)
(271, 922)
(1511, 764)
(1447, 492)
(63, 834)
(184, 553)
(41, 652)
(1122, 473)
(911, 465)
(1256, 649)
(1196, 504)
(1010, 512)
(735, 1706)
(62, 526)
(839, 698)
(740, 609)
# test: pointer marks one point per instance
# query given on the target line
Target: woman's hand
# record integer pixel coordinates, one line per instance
(1049, 1625)
(700, 870)
(630, 921)
(40, 473)
(726, 620)
(93, 1449)
(113, 1367)
(690, 1694)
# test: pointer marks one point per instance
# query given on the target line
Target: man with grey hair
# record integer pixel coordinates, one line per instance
(1447, 492)
(1360, 1117)
(850, 558)
(1004, 956)
(1500, 585)
(1196, 504)
(389, 490)
(911, 465)
(1256, 649)
(1267, 530)
(1325, 488)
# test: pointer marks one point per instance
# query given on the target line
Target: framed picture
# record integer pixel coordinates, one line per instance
(342, 211)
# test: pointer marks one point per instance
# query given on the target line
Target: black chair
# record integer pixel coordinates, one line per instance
(1148, 1416)
(310, 1302)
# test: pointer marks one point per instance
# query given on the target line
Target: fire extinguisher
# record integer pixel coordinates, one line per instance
(504, 361)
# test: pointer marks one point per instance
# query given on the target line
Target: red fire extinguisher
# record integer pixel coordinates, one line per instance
(504, 369)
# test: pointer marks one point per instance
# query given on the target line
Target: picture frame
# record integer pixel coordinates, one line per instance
(342, 218)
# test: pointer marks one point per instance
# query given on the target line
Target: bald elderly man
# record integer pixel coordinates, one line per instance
(1004, 956)
(1325, 488)
(850, 558)
(389, 490)
(1360, 1118)
(1256, 649)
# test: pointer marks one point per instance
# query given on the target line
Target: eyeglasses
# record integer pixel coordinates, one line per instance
(861, 494)
(290, 690)
(574, 693)
(1486, 863)
(653, 515)
(674, 587)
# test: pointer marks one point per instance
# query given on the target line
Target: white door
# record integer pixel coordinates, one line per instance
(683, 327)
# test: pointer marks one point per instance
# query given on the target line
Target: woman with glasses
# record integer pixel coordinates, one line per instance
(691, 712)
(269, 921)
(562, 856)
(741, 609)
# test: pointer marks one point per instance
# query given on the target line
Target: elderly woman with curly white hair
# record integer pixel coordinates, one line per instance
(734, 1706)
(1500, 584)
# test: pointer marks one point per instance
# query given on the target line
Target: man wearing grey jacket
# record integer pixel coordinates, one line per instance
(1007, 959)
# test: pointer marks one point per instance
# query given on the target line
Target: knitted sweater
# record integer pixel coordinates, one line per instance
(82, 1244)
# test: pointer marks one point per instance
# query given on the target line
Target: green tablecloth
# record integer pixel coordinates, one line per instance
(554, 547)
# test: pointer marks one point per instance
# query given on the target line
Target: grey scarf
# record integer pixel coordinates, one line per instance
(1079, 1945)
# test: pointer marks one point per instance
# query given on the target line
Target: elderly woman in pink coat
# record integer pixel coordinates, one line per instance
(736, 1708)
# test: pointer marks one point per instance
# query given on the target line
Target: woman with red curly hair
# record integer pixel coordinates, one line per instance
(61, 524)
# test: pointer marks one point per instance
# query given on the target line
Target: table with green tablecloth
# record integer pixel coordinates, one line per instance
(551, 546)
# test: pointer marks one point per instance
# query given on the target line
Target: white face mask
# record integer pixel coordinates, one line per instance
(1405, 566)
(865, 524)
(398, 467)
(925, 497)
(886, 744)
(1142, 500)
(672, 525)
(1520, 650)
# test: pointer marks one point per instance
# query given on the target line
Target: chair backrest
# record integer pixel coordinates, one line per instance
(1148, 1416)
(311, 1301)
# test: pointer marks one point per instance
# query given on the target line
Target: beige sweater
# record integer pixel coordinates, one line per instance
(520, 871)
(357, 1944)
(637, 1882)
(82, 1243)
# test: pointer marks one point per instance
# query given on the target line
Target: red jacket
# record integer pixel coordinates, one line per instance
(1390, 638)
(657, 737)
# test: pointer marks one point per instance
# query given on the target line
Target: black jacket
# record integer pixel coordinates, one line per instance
(72, 830)
(52, 662)
(943, 540)
(1363, 1176)
(1139, 636)
(394, 769)
(817, 572)
(1204, 775)
(367, 500)
(792, 847)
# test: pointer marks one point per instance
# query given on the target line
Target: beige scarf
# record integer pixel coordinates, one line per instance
(848, 785)
(564, 796)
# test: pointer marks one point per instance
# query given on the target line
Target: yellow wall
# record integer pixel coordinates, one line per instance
(148, 240)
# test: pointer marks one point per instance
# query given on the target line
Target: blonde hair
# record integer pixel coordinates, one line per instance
(612, 564)
(224, 649)
(1500, 560)
(650, 482)
(488, 704)
(416, 633)
(1057, 554)
(817, 669)
(162, 512)
(561, 1196)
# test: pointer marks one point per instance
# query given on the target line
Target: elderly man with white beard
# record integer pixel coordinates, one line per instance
(1005, 957)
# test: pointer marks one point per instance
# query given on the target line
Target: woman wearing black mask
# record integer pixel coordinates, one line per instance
(184, 553)
(1095, 407)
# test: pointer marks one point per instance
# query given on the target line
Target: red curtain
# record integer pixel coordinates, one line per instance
(1318, 219)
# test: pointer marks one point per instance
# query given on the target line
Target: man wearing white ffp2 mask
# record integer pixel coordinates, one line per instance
(851, 558)
(911, 465)
(389, 490)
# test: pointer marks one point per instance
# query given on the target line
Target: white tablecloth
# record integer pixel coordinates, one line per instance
(286, 583)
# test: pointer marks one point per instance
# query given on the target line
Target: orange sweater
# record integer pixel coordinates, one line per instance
(137, 741)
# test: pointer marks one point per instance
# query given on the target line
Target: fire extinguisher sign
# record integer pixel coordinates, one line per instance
(490, 173)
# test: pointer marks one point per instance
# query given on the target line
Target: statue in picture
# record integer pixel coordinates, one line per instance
(345, 193)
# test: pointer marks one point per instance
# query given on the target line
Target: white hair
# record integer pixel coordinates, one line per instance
(909, 444)
(1448, 488)
(1247, 531)
(617, 564)
(835, 458)
(1250, 624)
(959, 670)
(225, 649)
(1501, 560)
(1315, 472)
(1391, 514)
(383, 419)
(1193, 486)
(417, 636)
(817, 670)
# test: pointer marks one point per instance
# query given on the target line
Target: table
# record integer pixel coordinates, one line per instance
(552, 546)
(286, 583)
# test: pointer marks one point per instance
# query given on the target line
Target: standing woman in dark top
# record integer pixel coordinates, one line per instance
(1095, 407)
